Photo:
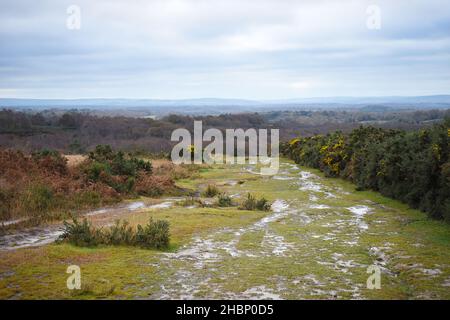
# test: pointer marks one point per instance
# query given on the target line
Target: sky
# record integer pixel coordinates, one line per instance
(244, 49)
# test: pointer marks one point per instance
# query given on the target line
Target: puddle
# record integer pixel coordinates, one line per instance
(359, 212)
(282, 178)
(319, 206)
(127, 207)
(260, 293)
(12, 222)
(30, 238)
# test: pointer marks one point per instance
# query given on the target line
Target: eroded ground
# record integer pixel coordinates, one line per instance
(317, 242)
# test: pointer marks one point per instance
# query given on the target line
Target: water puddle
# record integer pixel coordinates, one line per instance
(30, 238)
(12, 222)
(40, 236)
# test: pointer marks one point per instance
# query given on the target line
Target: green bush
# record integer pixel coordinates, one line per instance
(410, 166)
(121, 233)
(102, 153)
(96, 170)
(251, 203)
(154, 235)
(263, 204)
(211, 191)
(116, 169)
(224, 200)
(81, 234)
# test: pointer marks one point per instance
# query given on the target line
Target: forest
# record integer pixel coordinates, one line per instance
(75, 131)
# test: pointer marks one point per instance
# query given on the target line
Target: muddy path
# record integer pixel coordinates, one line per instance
(319, 246)
(42, 235)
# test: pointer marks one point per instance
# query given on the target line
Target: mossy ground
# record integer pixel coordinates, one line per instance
(309, 252)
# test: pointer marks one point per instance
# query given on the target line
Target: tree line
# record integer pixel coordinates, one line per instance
(80, 131)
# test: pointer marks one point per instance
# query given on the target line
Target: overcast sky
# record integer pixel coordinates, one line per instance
(254, 49)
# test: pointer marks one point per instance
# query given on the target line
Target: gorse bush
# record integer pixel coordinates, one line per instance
(211, 191)
(154, 235)
(224, 200)
(263, 204)
(104, 163)
(121, 233)
(117, 170)
(251, 203)
(412, 167)
(81, 234)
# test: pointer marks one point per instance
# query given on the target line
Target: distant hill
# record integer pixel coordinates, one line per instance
(217, 105)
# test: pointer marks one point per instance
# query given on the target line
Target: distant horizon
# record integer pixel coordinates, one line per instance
(232, 98)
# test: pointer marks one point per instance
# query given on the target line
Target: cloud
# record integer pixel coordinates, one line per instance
(264, 49)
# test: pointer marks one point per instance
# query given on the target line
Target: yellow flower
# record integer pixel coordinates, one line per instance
(294, 141)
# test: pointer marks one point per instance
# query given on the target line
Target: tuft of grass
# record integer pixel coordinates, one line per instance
(211, 191)
(38, 198)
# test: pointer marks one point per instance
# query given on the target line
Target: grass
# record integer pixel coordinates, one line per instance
(306, 271)
(40, 272)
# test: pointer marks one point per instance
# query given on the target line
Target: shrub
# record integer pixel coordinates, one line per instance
(211, 191)
(410, 166)
(97, 170)
(263, 204)
(251, 203)
(50, 160)
(102, 153)
(41, 186)
(121, 233)
(81, 234)
(224, 200)
(87, 198)
(154, 235)
(119, 163)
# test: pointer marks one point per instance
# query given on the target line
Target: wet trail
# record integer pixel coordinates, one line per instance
(317, 242)
(220, 265)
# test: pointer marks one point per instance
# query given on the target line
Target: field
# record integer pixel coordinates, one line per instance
(317, 241)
